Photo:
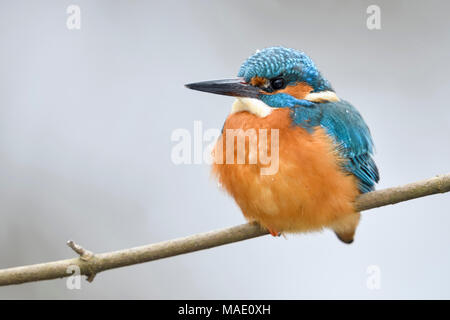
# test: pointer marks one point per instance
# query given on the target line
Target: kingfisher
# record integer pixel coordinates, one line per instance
(324, 148)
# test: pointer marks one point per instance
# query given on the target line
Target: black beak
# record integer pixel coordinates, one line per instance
(228, 87)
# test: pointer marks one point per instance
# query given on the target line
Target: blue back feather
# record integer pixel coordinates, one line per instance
(350, 133)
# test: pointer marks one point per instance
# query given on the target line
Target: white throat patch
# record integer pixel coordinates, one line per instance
(322, 96)
(260, 109)
(255, 106)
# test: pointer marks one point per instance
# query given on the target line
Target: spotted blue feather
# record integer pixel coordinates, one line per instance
(292, 64)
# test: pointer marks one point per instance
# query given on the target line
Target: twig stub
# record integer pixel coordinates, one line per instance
(84, 254)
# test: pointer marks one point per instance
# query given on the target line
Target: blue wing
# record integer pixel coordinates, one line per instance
(351, 134)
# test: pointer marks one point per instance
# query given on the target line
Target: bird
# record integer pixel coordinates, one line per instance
(324, 147)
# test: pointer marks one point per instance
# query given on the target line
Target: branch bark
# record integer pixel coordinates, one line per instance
(90, 264)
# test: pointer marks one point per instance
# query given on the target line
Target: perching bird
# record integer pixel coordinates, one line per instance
(324, 146)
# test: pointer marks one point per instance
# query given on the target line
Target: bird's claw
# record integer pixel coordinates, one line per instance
(274, 233)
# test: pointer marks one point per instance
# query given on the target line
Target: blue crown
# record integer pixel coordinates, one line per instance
(293, 65)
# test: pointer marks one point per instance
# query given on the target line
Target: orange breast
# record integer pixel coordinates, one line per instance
(309, 191)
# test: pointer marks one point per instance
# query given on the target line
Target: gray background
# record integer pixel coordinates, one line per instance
(86, 118)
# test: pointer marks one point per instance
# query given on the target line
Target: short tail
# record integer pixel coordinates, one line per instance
(345, 227)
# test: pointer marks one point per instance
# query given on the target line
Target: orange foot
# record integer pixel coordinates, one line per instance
(274, 233)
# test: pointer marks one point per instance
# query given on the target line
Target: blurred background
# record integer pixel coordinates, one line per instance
(86, 118)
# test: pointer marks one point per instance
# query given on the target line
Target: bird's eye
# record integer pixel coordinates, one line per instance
(277, 83)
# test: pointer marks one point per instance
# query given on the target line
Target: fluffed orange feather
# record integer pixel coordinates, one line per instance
(310, 191)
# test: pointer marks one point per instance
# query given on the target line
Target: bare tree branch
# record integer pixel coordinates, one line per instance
(90, 264)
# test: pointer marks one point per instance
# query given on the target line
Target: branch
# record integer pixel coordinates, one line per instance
(90, 264)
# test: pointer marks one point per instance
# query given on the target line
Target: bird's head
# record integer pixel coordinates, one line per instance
(277, 76)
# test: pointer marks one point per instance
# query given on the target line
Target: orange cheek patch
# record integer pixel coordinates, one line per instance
(258, 81)
(298, 91)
